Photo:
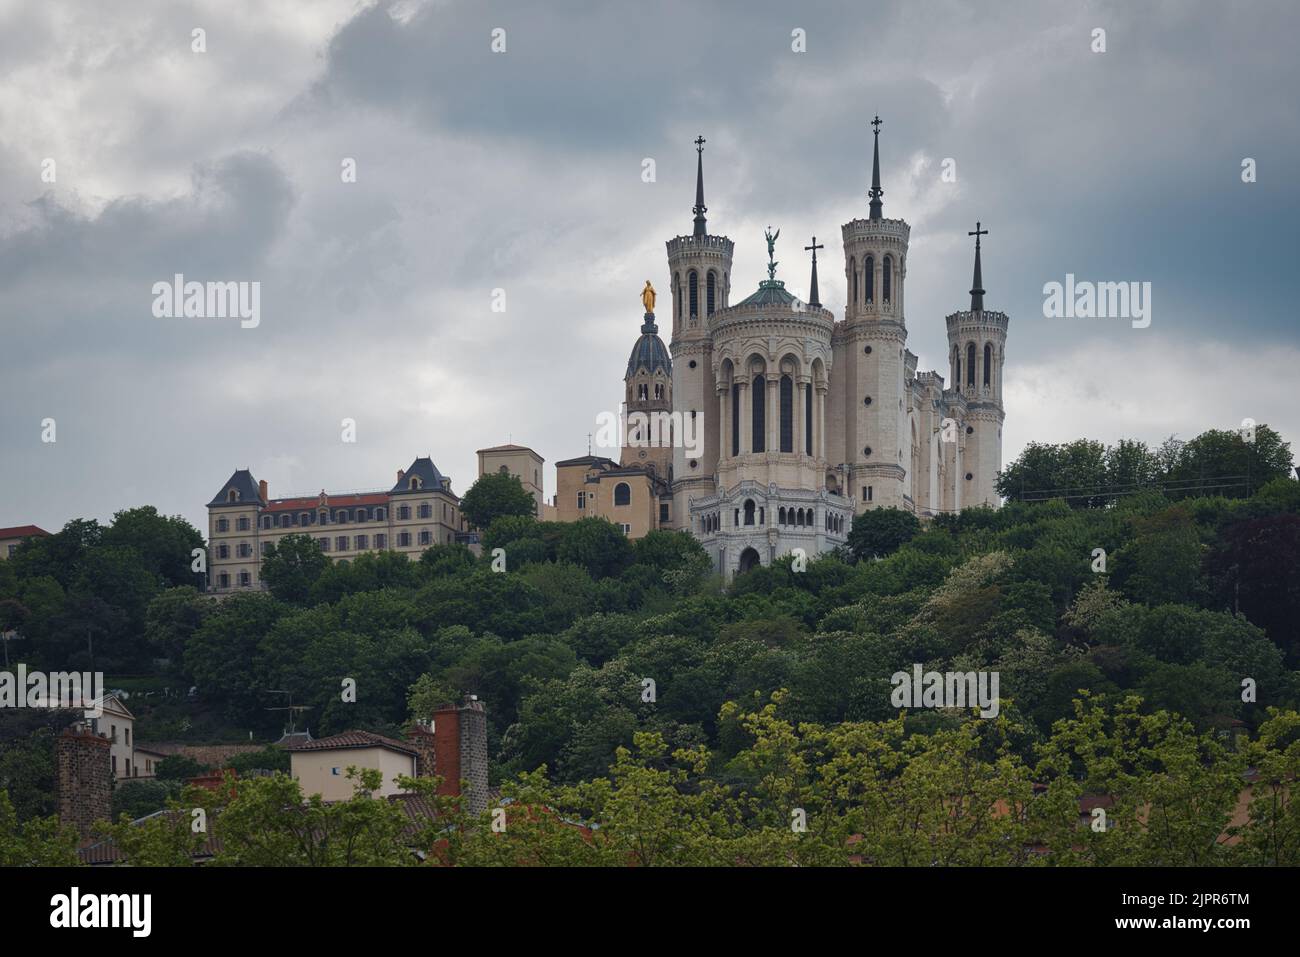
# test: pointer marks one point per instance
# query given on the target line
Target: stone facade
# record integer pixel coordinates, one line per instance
(808, 419)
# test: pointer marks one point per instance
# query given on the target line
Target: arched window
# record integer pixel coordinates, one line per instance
(887, 278)
(710, 286)
(970, 363)
(693, 284)
(807, 419)
(759, 395)
(749, 511)
(735, 419)
(869, 279)
(988, 362)
(677, 297)
(622, 494)
(853, 271)
(787, 414)
(233, 496)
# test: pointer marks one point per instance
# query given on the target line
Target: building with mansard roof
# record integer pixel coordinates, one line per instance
(418, 511)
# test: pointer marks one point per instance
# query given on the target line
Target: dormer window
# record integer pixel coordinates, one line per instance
(415, 482)
(233, 495)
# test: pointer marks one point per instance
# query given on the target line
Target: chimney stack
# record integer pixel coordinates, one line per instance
(401, 474)
(261, 490)
(454, 747)
(85, 783)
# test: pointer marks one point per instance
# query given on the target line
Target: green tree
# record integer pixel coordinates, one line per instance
(878, 532)
(496, 495)
(292, 567)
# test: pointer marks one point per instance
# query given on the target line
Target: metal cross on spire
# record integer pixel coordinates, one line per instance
(977, 284)
(701, 224)
(875, 192)
(813, 295)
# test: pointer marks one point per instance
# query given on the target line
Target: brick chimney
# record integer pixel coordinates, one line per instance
(261, 490)
(85, 780)
(401, 474)
(454, 748)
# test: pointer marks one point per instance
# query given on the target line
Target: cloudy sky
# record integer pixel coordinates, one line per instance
(522, 171)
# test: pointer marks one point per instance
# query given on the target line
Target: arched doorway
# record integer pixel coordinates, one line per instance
(748, 559)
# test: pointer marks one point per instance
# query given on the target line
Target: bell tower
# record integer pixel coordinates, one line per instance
(648, 426)
(870, 432)
(976, 351)
(699, 284)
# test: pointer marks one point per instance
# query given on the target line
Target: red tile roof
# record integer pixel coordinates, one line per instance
(314, 501)
(22, 531)
(354, 739)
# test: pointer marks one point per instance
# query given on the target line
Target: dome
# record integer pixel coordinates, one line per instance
(649, 353)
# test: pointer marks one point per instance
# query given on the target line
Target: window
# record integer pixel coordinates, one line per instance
(853, 271)
(735, 419)
(340, 517)
(286, 520)
(415, 483)
(233, 496)
(267, 520)
(324, 517)
(245, 579)
(988, 362)
(223, 525)
(426, 510)
(627, 529)
(114, 764)
(749, 511)
(663, 512)
(759, 419)
(242, 523)
(787, 414)
(324, 543)
(887, 278)
(379, 514)
(224, 579)
(223, 551)
(126, 734)
(970, 363)
(361, 515)
(112, 733)
(693, 282)
(245, 550)
(403, 513)
(341, 543)
(807, 419)
(869, 278)
(710, 284)
(426, 537)
(264, 547)
(404, 540)
(582, 500)
(381, 541)
(622, 494)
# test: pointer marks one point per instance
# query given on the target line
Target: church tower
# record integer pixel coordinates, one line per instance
(648, 430)
(699, 282)
(869, 442)
(976, 352)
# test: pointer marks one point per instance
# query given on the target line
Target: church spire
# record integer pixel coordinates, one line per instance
(813, 299)
(876, 191)
(977, 283)
(700, 208)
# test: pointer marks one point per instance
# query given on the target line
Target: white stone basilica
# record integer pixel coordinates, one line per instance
(808, 419)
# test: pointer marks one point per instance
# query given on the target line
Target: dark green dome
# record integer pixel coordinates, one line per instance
(649, 353)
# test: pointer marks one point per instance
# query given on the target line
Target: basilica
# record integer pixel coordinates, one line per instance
(806, 419)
